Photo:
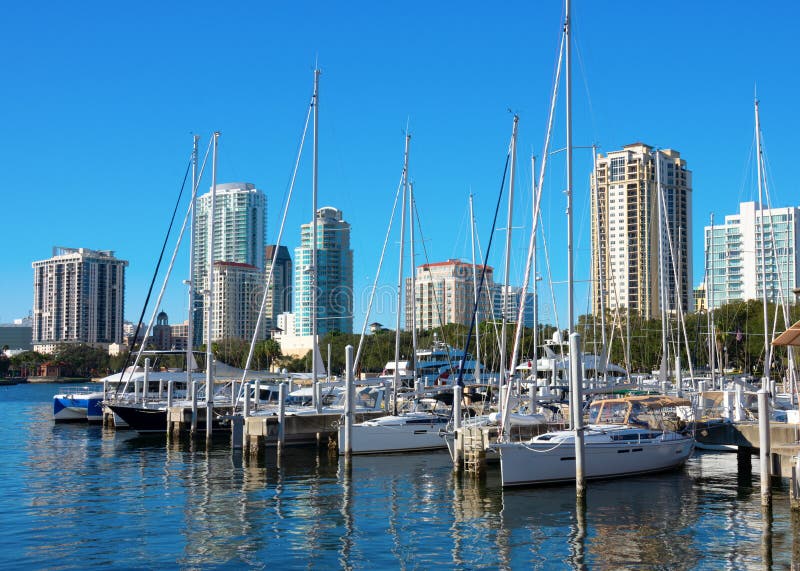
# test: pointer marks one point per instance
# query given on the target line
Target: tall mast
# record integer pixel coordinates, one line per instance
(503, 336)
(411, 211)
(313, 272)
(210, 289)
(601, 283)
(712, 342)
(534, 371)
(396, 378)
(662, 282)
(760, 165)
(191, 284)
(475, 292)
(568, 94)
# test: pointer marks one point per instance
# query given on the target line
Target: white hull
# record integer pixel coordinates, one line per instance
(553, 461)
(404, 433)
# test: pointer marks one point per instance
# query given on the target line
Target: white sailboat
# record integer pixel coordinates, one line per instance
(615, 443)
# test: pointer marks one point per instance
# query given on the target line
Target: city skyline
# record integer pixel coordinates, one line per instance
(117, 146)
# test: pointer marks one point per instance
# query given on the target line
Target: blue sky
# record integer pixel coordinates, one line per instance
(99, 102)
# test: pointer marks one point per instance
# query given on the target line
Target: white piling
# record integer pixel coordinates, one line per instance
(576, 401)
(193, 390)
(209, 418)
(246, 392)
(764, 442)
(169, 393)
(257, 395)
(146, 383)
(738, 410)
(349, 403)
(160, 388)
(281, 416)
(458, 395)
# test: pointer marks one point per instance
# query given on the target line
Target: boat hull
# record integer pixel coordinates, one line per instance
(401, 436)
(70, 407)
(533, 463)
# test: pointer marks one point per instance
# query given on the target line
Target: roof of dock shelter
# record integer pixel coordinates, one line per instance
(789, 338)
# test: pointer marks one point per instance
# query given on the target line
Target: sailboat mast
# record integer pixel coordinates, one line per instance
(413, 324)
(313, 272)
(568, 101)
(510, 212)
(662, 282)
(760, 166)
(210, 289)
(712, 344)
(396, 378)
(475, 292)
(190, 324)
(601, 284)
(534, 370)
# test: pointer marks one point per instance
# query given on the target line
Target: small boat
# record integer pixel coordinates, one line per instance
(406, 432)
(619, 441)
(76, 404)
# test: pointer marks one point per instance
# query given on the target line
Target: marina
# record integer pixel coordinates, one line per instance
(88, 496)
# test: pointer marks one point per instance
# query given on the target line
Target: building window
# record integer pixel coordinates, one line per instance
(618, 169)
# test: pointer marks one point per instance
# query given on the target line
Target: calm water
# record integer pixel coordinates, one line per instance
(75, 496)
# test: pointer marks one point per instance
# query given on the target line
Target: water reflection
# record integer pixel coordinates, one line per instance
(84, 496)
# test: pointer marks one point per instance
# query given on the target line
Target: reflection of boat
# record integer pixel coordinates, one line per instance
(618, 442)
(78, 404)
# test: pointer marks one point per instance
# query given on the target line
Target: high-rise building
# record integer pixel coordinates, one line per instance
(508, 304)
(78, 297)
(238, 290)
(627, 254)
(445, 293)
(733, 254)
(334, 275)
(279, 298)
(239, 236)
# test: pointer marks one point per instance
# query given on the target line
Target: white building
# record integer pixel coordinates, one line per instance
(239, 234)
(238, 291)
(627, 258)
(445, 293)
(733, 254)
(78, 297)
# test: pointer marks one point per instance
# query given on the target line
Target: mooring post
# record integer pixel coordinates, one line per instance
(576, 399)
(764, 444)
(193, 391)
(281, 416)
(349, 403)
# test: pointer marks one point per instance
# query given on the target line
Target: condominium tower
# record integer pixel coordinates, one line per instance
(238, 291)
(78, 297)
(334, 275)
(629, 245)
(239, 235)
(733, 254)
(279, 299)
(445, 293)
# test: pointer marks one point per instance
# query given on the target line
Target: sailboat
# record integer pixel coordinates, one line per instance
(616, 442)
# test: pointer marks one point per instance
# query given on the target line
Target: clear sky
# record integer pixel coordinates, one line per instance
(99, 101)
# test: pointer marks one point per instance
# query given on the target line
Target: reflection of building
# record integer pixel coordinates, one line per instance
(239, 230)
(279, 299)
(733, 260)
(334, 275)
(238, 289)
(78, 297)
(445, 294)
(162, 333)
(625, 230)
